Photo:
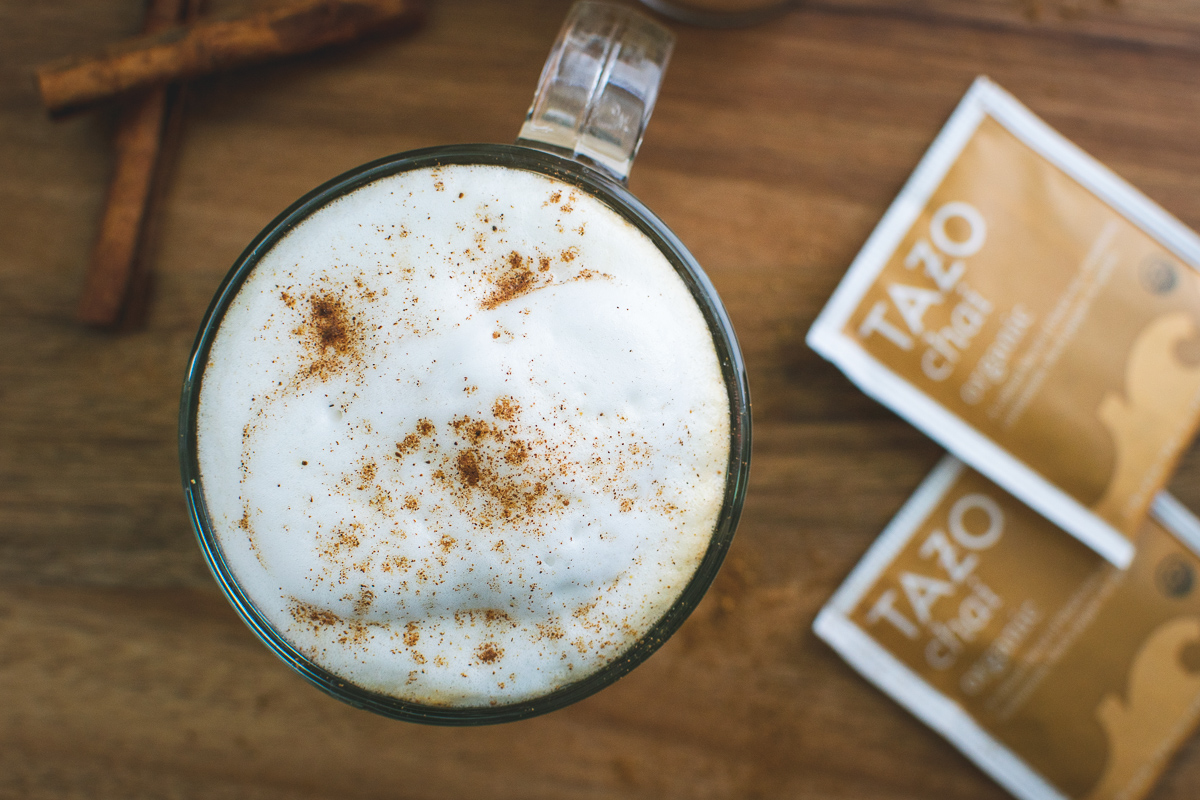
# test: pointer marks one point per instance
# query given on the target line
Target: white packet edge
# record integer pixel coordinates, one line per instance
(985, 98)
(879, 667)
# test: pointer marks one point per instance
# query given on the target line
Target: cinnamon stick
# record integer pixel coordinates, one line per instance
(116, 266)
(209, 46)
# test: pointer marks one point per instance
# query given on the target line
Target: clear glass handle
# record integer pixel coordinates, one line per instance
(599, 86)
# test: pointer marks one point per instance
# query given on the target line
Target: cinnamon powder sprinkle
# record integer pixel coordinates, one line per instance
(332, 324)
(476, 431)
(516, 453)
(308, 614)
(331, 333)
(551, 630)
(489, 653)
(505, 408)
(468, 468)
(363, 604)
(515, 279)
(408, 445)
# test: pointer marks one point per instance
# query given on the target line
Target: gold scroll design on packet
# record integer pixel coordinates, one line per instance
(1159, 392)
(1160, 697)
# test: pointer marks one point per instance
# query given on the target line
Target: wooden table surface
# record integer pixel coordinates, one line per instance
(773, 152)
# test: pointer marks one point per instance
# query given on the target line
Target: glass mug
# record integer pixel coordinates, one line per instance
(594, 98)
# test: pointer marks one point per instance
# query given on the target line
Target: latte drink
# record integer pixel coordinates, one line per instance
(463, 435)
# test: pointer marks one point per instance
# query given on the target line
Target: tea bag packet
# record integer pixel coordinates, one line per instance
(1035, 315)
(1057, 673)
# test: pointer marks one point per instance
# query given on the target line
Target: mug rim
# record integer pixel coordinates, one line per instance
(619, 199)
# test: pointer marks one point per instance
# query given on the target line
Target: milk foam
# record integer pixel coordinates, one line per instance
(463, 436)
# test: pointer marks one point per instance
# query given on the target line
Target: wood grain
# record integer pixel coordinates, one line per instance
(773, 152)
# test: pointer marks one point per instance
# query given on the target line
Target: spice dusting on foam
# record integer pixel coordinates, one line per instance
(516, 276)
(463, 436)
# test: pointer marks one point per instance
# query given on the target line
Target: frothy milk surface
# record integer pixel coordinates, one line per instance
(463, 435)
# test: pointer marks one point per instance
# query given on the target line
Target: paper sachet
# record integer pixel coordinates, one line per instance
(1035, 315)
(1057, 673)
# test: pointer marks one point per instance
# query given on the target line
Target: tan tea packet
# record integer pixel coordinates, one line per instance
(1057, 673)
(1035, 315)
